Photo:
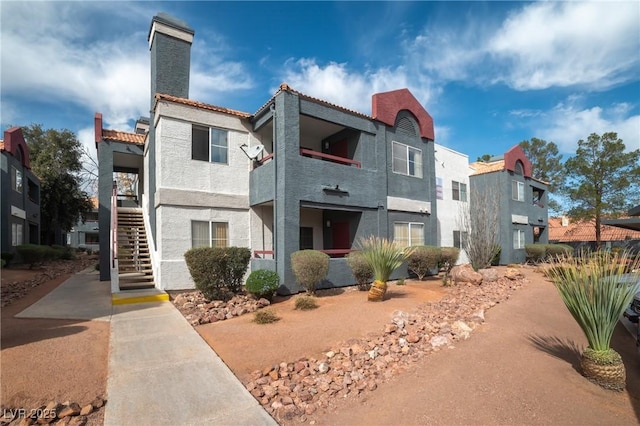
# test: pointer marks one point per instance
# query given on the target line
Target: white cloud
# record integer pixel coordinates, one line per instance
(350, 88)
(568, 43)
(566, 123)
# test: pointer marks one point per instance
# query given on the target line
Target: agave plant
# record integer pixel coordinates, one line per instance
(384, 257)
(596, 290)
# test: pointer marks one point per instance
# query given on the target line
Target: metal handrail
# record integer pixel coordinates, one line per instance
(333, 158)
(114, 225)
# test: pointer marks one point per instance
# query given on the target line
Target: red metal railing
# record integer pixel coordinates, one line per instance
(337, 252)
(258, 253)
(333, 158)
(265, 158)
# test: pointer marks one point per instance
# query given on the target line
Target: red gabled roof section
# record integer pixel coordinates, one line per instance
(14, 143)
(386, 106)
(512, 156)
(585, 231)
(196, 104)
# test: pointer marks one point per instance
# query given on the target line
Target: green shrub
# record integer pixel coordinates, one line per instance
(361, 270)
(554, 250)
(34, 254)
(7, 256)
(309, 267)
(218, 271)
(423, 259)
(497, 250)
(535, 252)
(262, 283)
(63, 253)
(265, 316)
(97, 267)
(3, 263)
(448, 259)
(400, 281)
(306, 303)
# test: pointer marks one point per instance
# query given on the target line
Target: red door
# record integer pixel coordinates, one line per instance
(341, 238)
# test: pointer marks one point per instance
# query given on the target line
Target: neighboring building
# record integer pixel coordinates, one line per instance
(20, 190)
(322, 176)
(452, 197)
(86, 234)
(582, 234)
(632, 222)
(522, 201)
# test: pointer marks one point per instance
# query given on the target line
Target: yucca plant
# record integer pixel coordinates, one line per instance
(596, 294)
(384, 257)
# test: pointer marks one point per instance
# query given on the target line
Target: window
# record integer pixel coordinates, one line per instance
(408, 234)
(91, 238)
(16, 179)
(16, 234)
(519, 169)
(209, 234)
(439, 192)
(459, 239)
(459, 191)
(209, 144)
(306, 238)
(33, 191)
(517, 190)
(518, 239)
(407, 160)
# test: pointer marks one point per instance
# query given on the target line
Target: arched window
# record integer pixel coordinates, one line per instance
(20, 155)
(519, 170)
(405, 123)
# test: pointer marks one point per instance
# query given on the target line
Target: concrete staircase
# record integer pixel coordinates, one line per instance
(134, 260)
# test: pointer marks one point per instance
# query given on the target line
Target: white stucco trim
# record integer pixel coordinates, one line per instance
(408, 205)
(519, 219)
(170, 31)
(17, 212)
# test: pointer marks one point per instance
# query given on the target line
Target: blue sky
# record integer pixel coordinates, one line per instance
(491, 74)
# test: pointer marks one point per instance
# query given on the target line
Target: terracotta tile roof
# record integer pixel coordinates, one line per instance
(116, 135)
(196, 104)
(585, 231)
(480, 167)
(94, 202)
(284, 87)
(1, 145)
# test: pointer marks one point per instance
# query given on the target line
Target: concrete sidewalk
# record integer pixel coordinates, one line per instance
(160, 370)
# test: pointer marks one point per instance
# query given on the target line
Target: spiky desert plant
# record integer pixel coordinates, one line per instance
(384, 257)
(596, 294)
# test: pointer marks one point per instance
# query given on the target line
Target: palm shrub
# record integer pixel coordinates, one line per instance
(309, 267)
(361, 270)
(262, 283)
(423, 259)
(595, 294)
(448, 259)
(384, 257)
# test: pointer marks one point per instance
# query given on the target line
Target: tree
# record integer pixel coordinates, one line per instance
(547, 166)
(602, 179)
(56, 159)
(479, 220)
(485, 157)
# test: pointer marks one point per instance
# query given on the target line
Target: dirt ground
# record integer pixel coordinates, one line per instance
(519, 367)
(43, 359)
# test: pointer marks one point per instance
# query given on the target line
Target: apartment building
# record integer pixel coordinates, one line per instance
(20, 190)
(298, 173)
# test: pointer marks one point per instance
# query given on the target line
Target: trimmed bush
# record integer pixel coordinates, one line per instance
(265, 316)
(554, 250)
(448, 258)
(535, 252)
(309, 267)
(7, 256)
(218, 271)
(262, 283)
(3, 263)
(34, 254)
(423, 259)
(306, 303)
(361, 270)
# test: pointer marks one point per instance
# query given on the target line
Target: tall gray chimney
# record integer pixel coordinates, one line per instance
(170, 44)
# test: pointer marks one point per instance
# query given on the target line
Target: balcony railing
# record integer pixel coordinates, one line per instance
(337, 252)
(321, 155)
(259, 254)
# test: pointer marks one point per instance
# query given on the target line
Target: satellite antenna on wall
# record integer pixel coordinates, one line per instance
(253, 151)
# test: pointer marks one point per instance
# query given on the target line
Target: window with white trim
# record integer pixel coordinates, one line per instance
(16, 179)
(517, 190)
(459, 191)
(209, 234)
(459, 239)
(209, 144)
(16, 234)
(518, 239)
(406, 160)
(407, 234)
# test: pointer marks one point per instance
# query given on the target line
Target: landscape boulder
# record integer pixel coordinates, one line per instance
(465, 274)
